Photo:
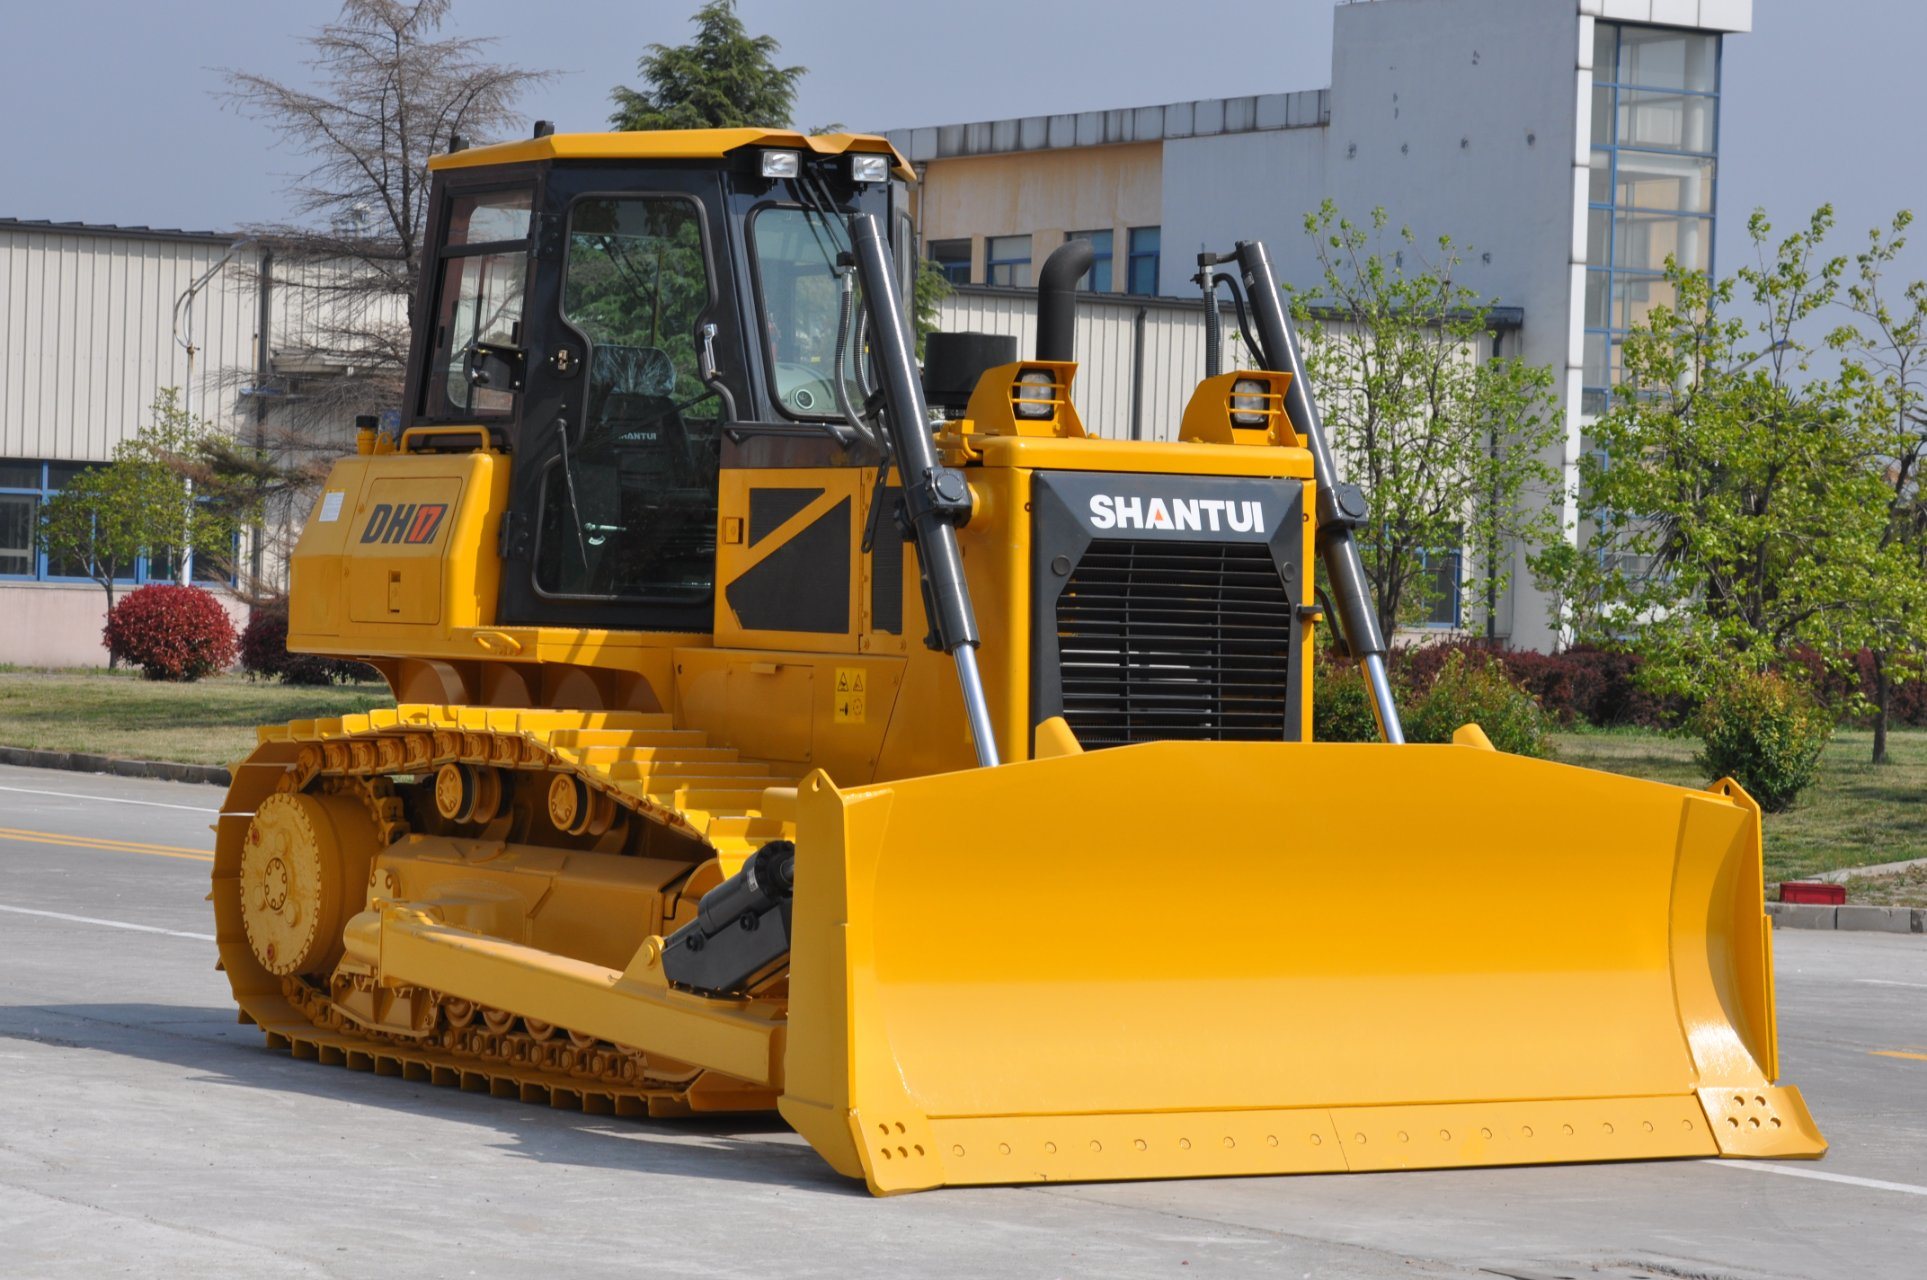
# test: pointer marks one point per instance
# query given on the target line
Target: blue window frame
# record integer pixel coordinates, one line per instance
(25, 484)
(1655, 153)
(1007, 260)
(1141, 269)
(952, 258)
(1098, 278)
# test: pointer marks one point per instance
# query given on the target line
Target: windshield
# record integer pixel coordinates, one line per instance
(795, 251)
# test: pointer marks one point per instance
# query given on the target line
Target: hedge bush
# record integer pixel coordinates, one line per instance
(264, 654)
(1341, 704)
(1476, 689)
(1766, 733)
(1582, 685)
(171, 632)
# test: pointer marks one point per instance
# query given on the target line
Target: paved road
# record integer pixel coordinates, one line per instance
(142, 1131)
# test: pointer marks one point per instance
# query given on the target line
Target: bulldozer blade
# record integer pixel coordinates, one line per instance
(1198, 959)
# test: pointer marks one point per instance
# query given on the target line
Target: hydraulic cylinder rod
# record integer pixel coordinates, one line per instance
(1341, 507)
(935, 498)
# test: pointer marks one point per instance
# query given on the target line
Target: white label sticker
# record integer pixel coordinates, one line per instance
(330, 506)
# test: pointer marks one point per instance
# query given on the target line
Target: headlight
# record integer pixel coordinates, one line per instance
(1248, 402)
(869, 168)
(1033, 395)
(781, 164)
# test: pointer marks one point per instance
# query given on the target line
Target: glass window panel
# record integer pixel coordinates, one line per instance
(1098, 278)
(1007, 260)
(481, 302)
(802, 308)
(1596, 284)
(1146, 244)
(1666, 121)
(1602, 115)
(61, 474)
(1596, 353)
(17, 516)
(1599, 183)
(1634, 298)
(1441, 585)
(1605, 50)
(1665, 59)
(952, 258)
(1643, 241)
(1599, 226)
(1652, 180)
(489, 218)
(629, 507)
(19, 475)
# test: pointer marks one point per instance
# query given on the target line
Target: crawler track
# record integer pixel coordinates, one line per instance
(640, 767)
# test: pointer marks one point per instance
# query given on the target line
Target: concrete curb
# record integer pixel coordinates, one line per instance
(1855, 918)
(80, 762)
(1880, 869)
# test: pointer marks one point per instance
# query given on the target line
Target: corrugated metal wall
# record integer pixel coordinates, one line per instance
(87, 340)
(1106, 338)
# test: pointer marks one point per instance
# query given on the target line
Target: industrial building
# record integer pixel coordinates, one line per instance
(1572, 144)
(1569, 145)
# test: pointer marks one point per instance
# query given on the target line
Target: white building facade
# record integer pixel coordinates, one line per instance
(1569, 146)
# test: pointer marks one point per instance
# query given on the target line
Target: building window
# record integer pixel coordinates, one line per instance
(1442, 580)
(1142, 267)
(953, 259)
(1007, 260)
(1655, 117)
(1098, 278)
(26, 484)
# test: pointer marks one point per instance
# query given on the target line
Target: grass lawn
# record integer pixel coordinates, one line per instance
(1854, 814)
(208, 722)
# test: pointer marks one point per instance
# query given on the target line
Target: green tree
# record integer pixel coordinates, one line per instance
(1449, 448)
(725, 78)
(1888, 338)
(1734, 491)
(143, 503)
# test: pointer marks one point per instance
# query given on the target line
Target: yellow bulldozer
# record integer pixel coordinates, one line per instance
(942, 779)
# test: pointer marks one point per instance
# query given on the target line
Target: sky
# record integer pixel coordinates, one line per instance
(115, 114)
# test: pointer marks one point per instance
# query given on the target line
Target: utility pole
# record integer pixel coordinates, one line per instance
(185, 341)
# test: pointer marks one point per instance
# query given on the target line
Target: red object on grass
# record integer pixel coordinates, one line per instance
(1826, 895)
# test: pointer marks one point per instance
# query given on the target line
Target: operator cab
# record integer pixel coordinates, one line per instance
(629, 314)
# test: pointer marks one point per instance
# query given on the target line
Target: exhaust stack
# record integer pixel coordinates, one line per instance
(1057, 299)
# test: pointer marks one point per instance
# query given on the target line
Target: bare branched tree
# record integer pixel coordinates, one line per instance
(386, 95)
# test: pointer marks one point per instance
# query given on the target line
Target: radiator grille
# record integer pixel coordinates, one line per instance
(1162, 640)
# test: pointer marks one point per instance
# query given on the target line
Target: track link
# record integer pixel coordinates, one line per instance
(641, 763)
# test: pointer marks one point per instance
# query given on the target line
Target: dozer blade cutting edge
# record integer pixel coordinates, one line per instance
(1182, 960)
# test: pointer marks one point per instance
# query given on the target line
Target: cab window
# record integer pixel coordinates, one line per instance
(483, 268)
(795, 250)
(629, 496)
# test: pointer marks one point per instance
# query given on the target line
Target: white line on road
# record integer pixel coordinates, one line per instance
(1888, 982)
(71, 795)
(110, 924)
(1790, 1171)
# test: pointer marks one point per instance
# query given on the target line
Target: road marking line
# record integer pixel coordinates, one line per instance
(110, 924)
(1788, 1171)
(64, 841)
(1889, 982)
(72, 795)
(1897, 1053)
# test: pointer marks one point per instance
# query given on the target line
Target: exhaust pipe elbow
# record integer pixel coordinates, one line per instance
(1057, 299)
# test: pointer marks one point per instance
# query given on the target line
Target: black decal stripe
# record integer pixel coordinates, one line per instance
(886, 569)
(769, 508)
(803, 585)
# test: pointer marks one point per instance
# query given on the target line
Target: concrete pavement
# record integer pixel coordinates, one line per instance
(143, 1131)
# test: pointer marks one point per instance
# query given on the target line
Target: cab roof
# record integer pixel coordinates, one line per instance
(666, 144)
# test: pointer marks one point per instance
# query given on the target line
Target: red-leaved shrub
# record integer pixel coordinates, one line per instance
(171, 632)
(264, 653)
